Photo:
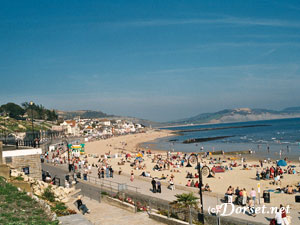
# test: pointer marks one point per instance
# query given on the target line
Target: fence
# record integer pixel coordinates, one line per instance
(111, 184)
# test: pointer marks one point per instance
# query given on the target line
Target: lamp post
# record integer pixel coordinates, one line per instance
(31, 105)
(194, 158)
(67, 143)
(5, 133)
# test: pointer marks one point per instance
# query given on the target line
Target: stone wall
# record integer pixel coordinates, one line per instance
(31, 161)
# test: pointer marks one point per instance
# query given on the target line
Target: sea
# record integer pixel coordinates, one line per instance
(274, 139)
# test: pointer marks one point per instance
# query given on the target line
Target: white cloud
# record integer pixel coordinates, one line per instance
(224, 20)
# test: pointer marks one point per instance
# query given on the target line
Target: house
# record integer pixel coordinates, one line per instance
(105, 122)
(71, 127)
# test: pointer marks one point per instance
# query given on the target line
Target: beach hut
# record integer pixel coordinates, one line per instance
(281, 163)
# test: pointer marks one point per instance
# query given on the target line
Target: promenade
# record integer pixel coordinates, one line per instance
(143, 186)
(106, 214)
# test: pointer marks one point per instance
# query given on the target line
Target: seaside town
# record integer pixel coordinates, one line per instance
(150, 112)
(97, 128)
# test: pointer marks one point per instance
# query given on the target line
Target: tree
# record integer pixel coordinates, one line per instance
(14, 111)
(40, 112)
(184, 202)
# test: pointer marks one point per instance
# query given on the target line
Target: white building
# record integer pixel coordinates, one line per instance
(71, 127)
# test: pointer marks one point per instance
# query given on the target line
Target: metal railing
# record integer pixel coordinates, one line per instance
(111, 184)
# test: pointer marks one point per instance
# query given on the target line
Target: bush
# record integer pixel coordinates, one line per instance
(19, 178)
(104, 193)
(48, 194)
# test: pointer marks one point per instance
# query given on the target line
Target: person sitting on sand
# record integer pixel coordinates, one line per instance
(188, 183)
(277, 179)
(189, 175)
(290, 190)
(211, 174)
(207, 188)
(257, 175)
(196, 184)
(156, 167)
(163, 177)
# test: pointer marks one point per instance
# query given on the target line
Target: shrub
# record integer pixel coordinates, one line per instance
(104, 193)
(19, 178)
(48, 194)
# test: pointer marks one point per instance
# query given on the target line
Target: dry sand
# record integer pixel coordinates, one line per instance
(127, 143)
(219, 184)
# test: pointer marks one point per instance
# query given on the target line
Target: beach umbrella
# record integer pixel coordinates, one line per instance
(139, 155)
(281, 163)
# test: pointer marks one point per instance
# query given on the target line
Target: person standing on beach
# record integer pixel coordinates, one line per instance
(153, 182)
(253, 195)
(131, 176)
(244, 192)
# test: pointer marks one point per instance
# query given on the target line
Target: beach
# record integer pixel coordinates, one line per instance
(126, 143)
(237, 177)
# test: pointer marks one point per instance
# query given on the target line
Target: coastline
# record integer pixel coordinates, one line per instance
(127, 143)
(238, 176)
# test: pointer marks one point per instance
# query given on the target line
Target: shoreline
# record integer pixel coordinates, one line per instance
(118, 147)
(218, 153)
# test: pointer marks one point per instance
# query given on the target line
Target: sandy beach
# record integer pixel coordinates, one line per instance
(126, 143)
(237, 177)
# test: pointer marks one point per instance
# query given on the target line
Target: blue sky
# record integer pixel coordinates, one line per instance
(158, 60)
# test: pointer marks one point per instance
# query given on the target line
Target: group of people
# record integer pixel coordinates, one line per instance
(156, 186)
(242, 198)
(107, 170)
(241, 195)
(269, 173)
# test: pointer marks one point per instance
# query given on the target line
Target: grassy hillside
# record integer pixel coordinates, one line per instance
(18, 208)
(12, 125)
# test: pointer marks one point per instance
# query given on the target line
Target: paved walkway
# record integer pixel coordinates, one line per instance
(208, 201)
(74, 219)
(105, 214)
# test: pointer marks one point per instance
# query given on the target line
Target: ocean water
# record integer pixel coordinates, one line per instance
(280, 136)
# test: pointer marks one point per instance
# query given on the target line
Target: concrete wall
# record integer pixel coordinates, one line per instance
(118, 203)
(22, 158)
(166, 220)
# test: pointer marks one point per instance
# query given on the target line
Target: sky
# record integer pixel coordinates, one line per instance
(157, 60)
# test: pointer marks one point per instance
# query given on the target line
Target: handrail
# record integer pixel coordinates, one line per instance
(109, 183)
